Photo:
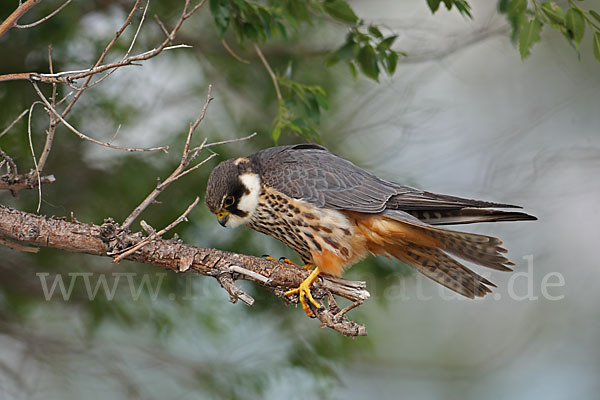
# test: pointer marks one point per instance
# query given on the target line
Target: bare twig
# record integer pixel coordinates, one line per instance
(46, 18)
(230, 51)
(18, 246)
(51, 125)
(186, 158)
(235, 292)
(137, 32)
(110, 72)
(14, 122)
(162, 27)
(23, 181)
(207, 145)
(37, 171)
(172, 225)
(270, 71)
(18, 13)
(83, 136)
(102, 57)
(336, 319)
(11, 166)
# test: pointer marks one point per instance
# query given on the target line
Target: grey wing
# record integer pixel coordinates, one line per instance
(310, 172)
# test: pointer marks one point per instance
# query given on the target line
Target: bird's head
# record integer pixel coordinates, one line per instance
(232, 192)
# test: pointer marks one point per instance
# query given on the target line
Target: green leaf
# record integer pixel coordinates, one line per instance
(387, 42)
(575, 25)
(597, 45)
(530, 34)
(503, 6)
(433, 5)
(448, 4)
(373, 30)
(463, 7)
(554, 13)
(391, 63)
(353, 70)
(516, 7)
(339, 9)
(276, 134)
(595, 15)
(220, 12)
(322, 100)
(367, 60)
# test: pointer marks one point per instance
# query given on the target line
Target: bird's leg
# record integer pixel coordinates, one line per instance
(304, 291)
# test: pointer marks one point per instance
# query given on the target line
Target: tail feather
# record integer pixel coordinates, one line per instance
(445, 270)
(469, 216)
(427, 249)
(479, 249)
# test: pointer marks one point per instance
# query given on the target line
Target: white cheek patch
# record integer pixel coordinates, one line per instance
(234, 221)
(249, 201)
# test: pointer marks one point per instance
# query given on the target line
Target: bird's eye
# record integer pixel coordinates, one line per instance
(229, 200)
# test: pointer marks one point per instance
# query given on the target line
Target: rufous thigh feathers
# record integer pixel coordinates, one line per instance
(425, 248)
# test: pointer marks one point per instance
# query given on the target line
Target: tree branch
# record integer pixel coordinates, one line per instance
(13, 18)
(46, 18)
(109, 238)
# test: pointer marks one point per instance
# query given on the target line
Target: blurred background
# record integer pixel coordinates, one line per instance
(462, 115)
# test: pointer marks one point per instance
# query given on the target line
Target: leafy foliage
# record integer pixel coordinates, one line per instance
(312, 99)
(366, 50)
(528, 18)
(369, 51)
(461, 5)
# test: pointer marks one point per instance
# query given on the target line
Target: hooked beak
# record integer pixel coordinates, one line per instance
(223, 217)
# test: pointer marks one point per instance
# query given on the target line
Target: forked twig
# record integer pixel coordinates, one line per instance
(85, 137)
(186, 158)
(46, 18)
(146, 240)
(270, 71)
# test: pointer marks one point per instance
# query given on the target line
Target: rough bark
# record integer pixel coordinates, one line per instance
(109, 240)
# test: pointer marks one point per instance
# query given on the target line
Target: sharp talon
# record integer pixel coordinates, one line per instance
(287, 261)
(303, 292)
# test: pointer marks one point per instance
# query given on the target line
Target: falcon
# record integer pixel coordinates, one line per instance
(333, 214)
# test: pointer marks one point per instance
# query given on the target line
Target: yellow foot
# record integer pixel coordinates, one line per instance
(303, 291)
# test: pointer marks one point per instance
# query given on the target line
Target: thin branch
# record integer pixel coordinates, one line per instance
(18, 13)
(23, 181)
(46, 18)
(83, 136)
(235, 292)
(11, 166)
(67, 77)
(14, 122)
(158, 234)
(270, 71)
(37, 171)
(162, 26)
(102, 57)
(110, 72)
(110, 238)
(230, 51)
(205, 146)
(137, 32)
(51, 125)
(18, 246)
(187, 157)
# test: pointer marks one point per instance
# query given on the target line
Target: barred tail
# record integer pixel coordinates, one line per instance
(427, 249)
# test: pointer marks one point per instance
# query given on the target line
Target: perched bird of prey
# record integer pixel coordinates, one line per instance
(333, 213)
